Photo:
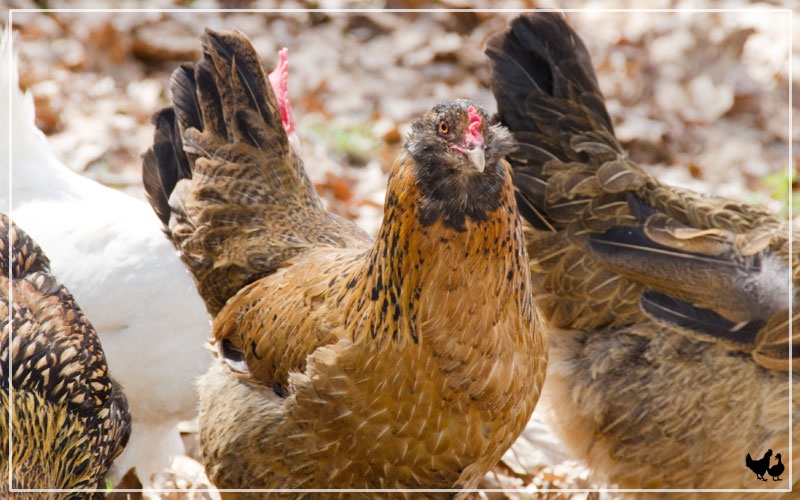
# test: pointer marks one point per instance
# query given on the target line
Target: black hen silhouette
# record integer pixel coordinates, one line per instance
(759, 466)
(777, 469)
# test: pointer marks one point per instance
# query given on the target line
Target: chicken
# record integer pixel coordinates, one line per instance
(69, 419)
(413, 361)
(106, 247)
(667, 310)
(760, 467)
(776, 470)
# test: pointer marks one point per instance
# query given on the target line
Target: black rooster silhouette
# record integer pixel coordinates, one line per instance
(777, 469)
(759, 466)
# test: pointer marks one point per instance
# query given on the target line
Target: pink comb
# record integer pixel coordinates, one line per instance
(473, 135)
(279, 79)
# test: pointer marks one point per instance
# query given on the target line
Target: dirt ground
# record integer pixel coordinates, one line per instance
(701, 99)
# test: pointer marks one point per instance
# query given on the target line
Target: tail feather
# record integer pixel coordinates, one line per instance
(241, 81)
(541, 68)
(184, 98)
(548, 96)
(27, 161)
(570, 174)
(718, 266)
(231, 192)
(17, 116)
(159, 183)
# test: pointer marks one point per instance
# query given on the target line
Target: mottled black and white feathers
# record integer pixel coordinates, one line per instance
(69, 420)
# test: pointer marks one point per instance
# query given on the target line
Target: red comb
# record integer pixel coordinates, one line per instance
(474, 135)
(279, 79)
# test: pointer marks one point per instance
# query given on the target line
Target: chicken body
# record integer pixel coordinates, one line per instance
(761, 466)
(668, 311)
(69, 420)
(411, 362)
(106, 247)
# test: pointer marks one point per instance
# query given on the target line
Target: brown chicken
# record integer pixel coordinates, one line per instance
(69, 420)
(668, 310)
(411, 362)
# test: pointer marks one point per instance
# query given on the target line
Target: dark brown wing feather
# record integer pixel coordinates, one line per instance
(670, 308)
(603, 232)
(223, 145)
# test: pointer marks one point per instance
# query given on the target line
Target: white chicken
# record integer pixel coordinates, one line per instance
(108, 249)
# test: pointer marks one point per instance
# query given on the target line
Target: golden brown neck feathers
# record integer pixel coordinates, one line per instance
(416, 260)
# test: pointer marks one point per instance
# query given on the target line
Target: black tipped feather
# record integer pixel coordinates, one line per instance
(676, 312)
(684, 275)
(547, 94)
(206, 92)
(164, 164)
(242, 81)
(247, 69)
(541, 56)
(222, 175)
(184, 98)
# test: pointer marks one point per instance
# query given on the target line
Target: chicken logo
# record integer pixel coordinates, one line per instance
(760, 467)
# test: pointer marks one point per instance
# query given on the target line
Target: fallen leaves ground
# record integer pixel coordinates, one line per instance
(700, 98)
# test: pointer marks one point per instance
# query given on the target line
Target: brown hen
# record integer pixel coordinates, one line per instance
(411, 362)
(668, 310)
(69, 420)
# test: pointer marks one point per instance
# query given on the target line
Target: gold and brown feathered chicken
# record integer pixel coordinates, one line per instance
(413, 361)
(668, 310)
(69, 420)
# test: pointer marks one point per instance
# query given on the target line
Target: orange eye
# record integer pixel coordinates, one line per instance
(443, 127)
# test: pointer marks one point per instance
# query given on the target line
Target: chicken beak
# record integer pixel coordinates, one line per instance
(478, 157)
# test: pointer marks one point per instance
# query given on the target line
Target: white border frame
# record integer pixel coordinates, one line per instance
(471, 490)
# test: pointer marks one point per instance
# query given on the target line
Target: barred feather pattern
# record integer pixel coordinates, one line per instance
(69, 419)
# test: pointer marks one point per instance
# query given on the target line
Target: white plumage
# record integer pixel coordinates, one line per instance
(108, 249)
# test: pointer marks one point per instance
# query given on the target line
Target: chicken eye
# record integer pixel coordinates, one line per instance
(444, 127)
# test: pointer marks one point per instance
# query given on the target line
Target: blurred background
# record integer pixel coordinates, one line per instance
(700, 99)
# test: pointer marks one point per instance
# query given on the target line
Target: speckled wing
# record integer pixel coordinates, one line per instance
(237, 203)
(720, 285)
(222, 169)
(570, 173)
(70, 419)
(274, 343)
(611, 246)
